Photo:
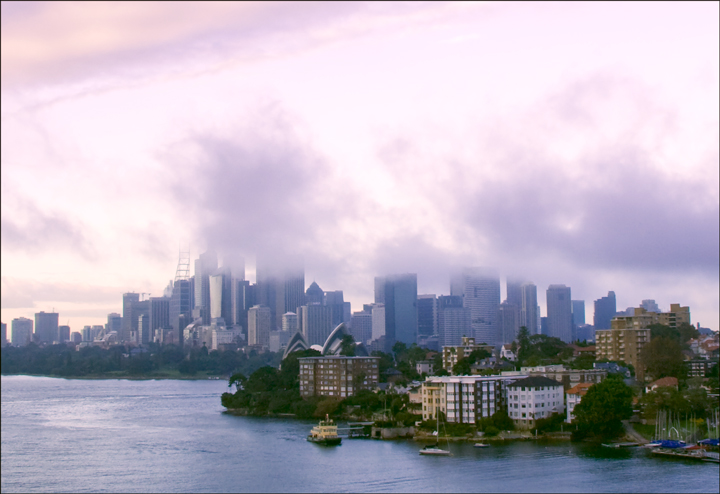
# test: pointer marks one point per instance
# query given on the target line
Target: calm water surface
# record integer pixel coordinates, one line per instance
(171, 436)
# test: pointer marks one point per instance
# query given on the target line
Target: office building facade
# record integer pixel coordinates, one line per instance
(46, 327)
(480, 289)
(398, 292)
(559, 313)
(454, 320)
(605, 308)
(22, 331)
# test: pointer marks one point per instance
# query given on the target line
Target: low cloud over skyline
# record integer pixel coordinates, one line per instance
(573, 144)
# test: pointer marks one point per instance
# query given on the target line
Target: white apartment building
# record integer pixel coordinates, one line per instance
(574, 395)
(464, 399)
(534, 398)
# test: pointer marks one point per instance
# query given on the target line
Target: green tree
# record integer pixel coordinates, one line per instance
(347, 346)
(662, 357)
(687, 332)
(523, 343)
(602, 410)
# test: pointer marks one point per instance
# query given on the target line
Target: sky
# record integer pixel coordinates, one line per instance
(558, 143)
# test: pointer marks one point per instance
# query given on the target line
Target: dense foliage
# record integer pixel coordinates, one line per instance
(117, 361)
(600, 413)
(662, 357)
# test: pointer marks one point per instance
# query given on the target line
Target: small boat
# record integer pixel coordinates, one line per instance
(482, 445)
(435, 449)
(325, 433)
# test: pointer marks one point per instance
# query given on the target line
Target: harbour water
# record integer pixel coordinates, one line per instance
(171, 436)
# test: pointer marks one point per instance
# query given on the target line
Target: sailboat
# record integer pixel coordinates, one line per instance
(435, 450)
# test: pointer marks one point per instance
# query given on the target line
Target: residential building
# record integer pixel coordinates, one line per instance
(506, 352)
(567, 377)
(464, 399)
(398, 292)
(337, 376)
(622, 345)
(700, 367)
(559, 313)
(425, 367)
(427, 315)
(534, 398)
(22, 331)
(605, 308)
(574, 396)
(454, 320)
(259, 325)
(529, 310)
(480, 289)
(452, 354)
(46, 327)
(665, 382)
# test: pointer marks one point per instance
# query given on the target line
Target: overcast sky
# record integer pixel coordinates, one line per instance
(571, 143)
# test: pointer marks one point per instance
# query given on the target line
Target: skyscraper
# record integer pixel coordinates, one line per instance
(259, 325)
(529, 310)
(128, 316)
(221, 297)
(282, 289)
(63, 334)
(578, 312)
(159, 315)
(508, 321)
(605, 308)
(334, 300)
(3, 336)
(314, 294)
(514, 292)
(315, 322)
(650, 305)
(427, 315)
(46, 327)
(205, 265)
(480, 289)
(180, 308)
(559, 312)
(22, 330)
(290, 323)
(454, 320)
(399, 292)
(361, 326)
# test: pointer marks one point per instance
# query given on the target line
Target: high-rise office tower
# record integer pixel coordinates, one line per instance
(159, 315)
(454, 320)
(650, 306)
(361, 326)
(234, 267)
(514, 292)
(144, 334)
(529, 309)
(221, 297)
(259, 325)
(46, 327)
(578, 312)
(315, 322)
(290, 323)
(114, 323)
(559, 312)
(3, 336)
(480, 289)
(129, 303)
(427, 315)
(605, 308)
(399, 294)
(508, 321)
(180, 308)
(63, 334)
(314, 295)
(205, 265)
(335, 301)
(22, 330)
(378, 321)
(281, 289)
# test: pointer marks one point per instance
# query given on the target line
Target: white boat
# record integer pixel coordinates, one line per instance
(435, 449)
(482, 445)
(325, 433)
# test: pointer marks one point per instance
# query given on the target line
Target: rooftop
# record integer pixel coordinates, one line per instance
(665, 381)
(579, 389)
(536, 382)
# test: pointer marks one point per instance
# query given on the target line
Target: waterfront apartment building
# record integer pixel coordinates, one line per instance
(452, 354)
(574, 396)
(534, 398)
(337, 376)
(464, 399)
(567, 377)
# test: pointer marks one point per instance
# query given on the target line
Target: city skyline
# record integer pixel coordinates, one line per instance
(367, 139)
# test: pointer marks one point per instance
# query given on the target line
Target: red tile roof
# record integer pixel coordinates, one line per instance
(580, 389)
(665, 381)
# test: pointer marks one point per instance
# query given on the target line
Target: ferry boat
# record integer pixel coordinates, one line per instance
(325, 433)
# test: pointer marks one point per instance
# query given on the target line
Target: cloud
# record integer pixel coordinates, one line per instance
(26, 228)
(19, 293)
